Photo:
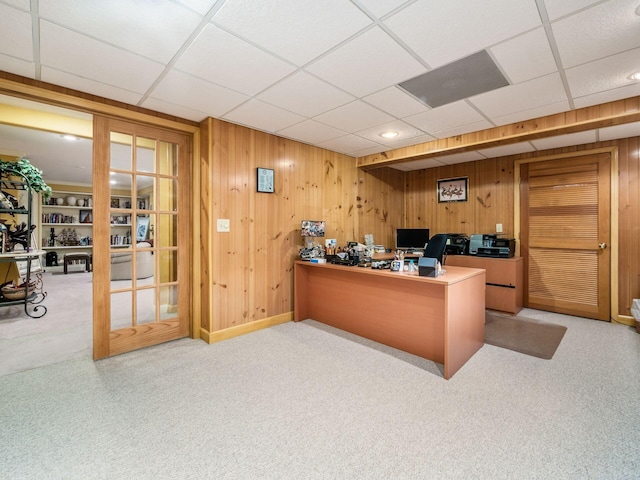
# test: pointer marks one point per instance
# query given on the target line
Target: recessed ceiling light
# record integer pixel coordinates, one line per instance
(69, 137)
(113, 182)
(389, 134)
(634, 76)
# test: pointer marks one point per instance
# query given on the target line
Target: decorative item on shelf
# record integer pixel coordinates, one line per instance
(71, 201)
(18, 234)
(89, 202)
(68, 237)
(59, 201)
(80, 202)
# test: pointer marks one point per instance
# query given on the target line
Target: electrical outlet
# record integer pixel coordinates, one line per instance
(224, 225)
(498, 228)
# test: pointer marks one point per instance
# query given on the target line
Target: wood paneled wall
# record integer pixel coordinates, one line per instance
(491, 191)
(247, 274)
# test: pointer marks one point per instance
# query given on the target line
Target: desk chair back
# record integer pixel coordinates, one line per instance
(435, 247)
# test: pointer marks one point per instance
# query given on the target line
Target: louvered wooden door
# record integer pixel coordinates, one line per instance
(565, 235)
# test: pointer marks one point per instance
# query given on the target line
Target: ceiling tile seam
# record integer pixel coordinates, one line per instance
(542, 10)
(35, 38)
(183, 48)
(579, 10)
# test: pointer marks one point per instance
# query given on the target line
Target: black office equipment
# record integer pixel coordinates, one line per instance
(427, 267)
(489, 245)
(457, 244)
(411, 238)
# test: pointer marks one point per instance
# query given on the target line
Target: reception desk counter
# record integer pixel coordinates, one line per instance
(438, 318)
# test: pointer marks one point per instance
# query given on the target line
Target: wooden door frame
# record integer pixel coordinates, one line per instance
(613, 205)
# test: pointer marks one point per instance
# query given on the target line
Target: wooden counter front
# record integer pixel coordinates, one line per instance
(438, 318)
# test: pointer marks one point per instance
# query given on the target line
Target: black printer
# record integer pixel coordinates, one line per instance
(457, 244)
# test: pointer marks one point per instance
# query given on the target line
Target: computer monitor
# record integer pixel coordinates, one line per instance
(411, 238)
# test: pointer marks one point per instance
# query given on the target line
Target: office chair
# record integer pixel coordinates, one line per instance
(435, 247)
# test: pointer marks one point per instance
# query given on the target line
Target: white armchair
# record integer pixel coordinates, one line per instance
(121, 266)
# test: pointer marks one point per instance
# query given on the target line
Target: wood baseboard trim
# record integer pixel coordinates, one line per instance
(213, 337)
(625, 320)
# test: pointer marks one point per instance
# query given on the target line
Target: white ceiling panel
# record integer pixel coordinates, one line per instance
(17, 66)
(608, 96)
(523, 115)
(129, 25)
(418, 164)
(597, 32)
(446, 117)
(181, 89)
(404, 131)
(305, 94)
(504, 150)
(263, 116)
(410, 141)
(16, 25)
(200, 6)
(83, 84)
(560, 8)
(620, 131)
(348, 144)
(397, 102)
(524, 96)
(22, 4)
(525, 57)
(296, 30)
(354, 117)
(368, 63)
(460, 158)
(311, 132)
(606, 74)
(578, 138)
(462, 129)
(441, 32)
(172, 109)
(214, 56)
(73, 53)
(380, 8)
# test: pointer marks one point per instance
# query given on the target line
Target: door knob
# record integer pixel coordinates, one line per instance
(602, 246)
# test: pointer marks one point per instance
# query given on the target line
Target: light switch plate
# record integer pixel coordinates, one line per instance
(224, 225)
(498, 228)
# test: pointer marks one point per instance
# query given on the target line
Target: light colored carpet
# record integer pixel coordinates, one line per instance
(306, 401)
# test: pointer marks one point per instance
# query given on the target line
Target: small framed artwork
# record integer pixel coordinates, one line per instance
(265, 180)
(86, 216)
(142, 228)
(453, 190)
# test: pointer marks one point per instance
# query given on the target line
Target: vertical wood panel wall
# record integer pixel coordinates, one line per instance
(247, 274)
(491, 189)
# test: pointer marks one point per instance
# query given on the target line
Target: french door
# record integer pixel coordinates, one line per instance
(565, 235)
(141, 236)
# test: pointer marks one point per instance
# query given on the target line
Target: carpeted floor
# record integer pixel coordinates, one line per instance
(524, 335)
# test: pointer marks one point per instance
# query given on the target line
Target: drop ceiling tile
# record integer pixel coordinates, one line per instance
(404, 130)
(369, 151)
(196, 94)
(262, 116)
(175, 110)
(462, 129)
(87, 85)
(532, 113)
(368, 63)
(353, 117)
(567, 140)
(460, 158)
(627, 130)
(200, 6)
(381, 7)
(155, 32)
(214, 56)
(311, 132)
(523, 96)
(17, 66)
(411, 141)
(608, 96)
(22, 4)
(525, 57)
(73, 53)
(348, 144)
(305, 94)
(447, 117)
(303, 30)
(606, 74)
(15, 29)
(605, 29)
(441, 32)
(560, 8)
(418, 164)
(504, 150)
(396, 102)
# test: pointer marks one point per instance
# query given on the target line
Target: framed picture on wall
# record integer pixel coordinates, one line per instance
(265, 180)
(453, 190)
